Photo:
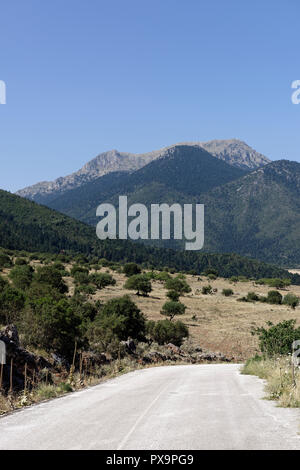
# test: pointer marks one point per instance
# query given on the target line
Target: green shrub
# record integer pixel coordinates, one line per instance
(52, 277)
(81, 278)
(162, 276)
(78, 269)
(3, 283)
(164, 331)
(274, 282)
(179, 285)
(131, 269)
(140, 283)
(64, 387)
(173, 295)
(12, 301)
(52, 325)
(85, 289)
(227, 292)
(291, 299)
(211, 271)
(20, 262)
(277, 339)
(101, 280)
(122, 317)
(171, 309)
(274, 297)
(60, 267)
(252, 297)
(206, 290)
(5, 261)
(21, 276)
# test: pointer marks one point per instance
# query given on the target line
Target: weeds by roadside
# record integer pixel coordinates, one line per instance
(281, 385)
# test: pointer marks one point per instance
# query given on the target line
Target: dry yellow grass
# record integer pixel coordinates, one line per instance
(215, 322)
(221, 324)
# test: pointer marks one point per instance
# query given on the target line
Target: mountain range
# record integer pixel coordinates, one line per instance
(252, 205)
(234, 152)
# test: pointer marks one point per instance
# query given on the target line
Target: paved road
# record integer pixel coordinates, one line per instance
(176, 407)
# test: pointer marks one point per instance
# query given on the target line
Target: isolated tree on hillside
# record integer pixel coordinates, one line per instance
(173, 295)
(101, 280)
(140, 283)
(130, 269)
(171, 309)
(179, 285)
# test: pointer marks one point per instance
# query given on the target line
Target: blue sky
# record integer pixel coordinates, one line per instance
(88, 76)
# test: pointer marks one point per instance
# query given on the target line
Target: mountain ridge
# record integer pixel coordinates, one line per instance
(233, 151)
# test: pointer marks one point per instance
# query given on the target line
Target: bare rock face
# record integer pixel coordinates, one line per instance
(234, 152)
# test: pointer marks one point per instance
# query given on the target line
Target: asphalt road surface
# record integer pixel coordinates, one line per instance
(177, 407)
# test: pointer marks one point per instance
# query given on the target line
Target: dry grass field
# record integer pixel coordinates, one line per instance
(216, 322)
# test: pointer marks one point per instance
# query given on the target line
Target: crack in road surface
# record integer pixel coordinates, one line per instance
(190, 407)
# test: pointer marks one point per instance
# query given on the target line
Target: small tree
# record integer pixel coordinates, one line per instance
(179, 285)
(81, 278)
(52, 325)
(130, 269)
(162, 276)
(140, 283)
(22, 276)
(173, 295)
(164, 331)
(171, 309)
(274, 297)
(12, 301)
(78, 269)
(277, 339)
(102, 280)
(292, 300)
(123, 318)
(52, 277)
(252, 297)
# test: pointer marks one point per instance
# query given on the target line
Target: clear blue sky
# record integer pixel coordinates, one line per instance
(87, 76)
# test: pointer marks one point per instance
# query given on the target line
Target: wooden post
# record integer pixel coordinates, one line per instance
(11, 376)
(1, 377)
(74, 355)
(25, 378)
(80, 367)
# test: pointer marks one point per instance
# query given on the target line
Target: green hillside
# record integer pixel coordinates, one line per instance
(257, 215)
(25, 225)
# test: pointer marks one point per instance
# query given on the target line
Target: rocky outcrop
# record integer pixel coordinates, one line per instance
(173, 353)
